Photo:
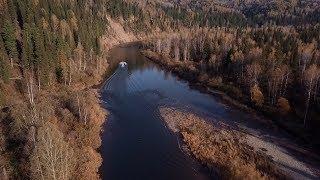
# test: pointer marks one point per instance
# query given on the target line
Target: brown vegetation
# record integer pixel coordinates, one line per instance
(50, 55)
(255, 66)
(283, 105)
(256, 96)
(220, 148)
(58, 135)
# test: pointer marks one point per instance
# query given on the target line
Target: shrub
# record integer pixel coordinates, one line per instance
(215, 81)
(203, 78)
(283, 105)
(256, 96)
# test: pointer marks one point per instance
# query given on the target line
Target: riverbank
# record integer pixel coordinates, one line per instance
(221, 148)
(233, 96)
(68, 114)
(135, 143)
(268, 134)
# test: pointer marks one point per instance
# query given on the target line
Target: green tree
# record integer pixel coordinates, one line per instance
(41, 63)
(12, 10)
(8, 35)
(27, 47)
(4, 67)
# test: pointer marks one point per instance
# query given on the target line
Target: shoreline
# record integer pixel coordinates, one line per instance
(212, 92)
(223, 151)
(230, 100)
(297, 147)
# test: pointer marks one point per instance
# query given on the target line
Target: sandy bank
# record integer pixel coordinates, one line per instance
(234, 154)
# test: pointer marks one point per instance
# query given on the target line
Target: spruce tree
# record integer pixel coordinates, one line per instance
(41, 64)
(8, 35)
(12, 10)
(27, 47)
(4, 63)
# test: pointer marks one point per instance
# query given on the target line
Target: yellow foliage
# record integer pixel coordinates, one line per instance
(222, 149)
(256, 95)
(283, 105)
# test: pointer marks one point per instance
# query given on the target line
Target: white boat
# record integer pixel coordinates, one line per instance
(123, 64)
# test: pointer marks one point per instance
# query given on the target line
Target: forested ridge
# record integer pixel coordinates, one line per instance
(50, 52)
(263, 53)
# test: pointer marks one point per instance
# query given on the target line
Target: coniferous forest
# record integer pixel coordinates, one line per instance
(47, 49)
(263, 54)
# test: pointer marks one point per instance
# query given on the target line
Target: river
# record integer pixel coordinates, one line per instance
(136, 143)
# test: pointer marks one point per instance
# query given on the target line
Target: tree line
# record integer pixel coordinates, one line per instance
(270, 66)
(40, 36)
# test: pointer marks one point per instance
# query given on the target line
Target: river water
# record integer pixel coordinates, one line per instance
(136, 145)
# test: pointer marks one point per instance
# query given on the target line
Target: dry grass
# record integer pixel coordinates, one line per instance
(220, 148)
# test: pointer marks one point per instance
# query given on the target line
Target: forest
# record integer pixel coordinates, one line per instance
(272, 66)
(265, 54)
(50, 52)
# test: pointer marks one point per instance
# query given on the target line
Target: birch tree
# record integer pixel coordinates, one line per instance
(186, 48)
(52, 157)
(167, 47)
(176, 49)
(311, 80)
(305, 51)
(277, 82)
(253, 72)
(79, 51)
(158, 46)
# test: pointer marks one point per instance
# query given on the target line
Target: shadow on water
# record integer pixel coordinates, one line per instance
(135, 143)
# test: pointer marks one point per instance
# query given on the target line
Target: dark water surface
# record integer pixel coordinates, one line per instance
(136, 145)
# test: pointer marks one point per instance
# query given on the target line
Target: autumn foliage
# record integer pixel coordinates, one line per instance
(283, 105)
(256, 96)
(222, 150)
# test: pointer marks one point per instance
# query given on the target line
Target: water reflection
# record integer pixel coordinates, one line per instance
(136, 143)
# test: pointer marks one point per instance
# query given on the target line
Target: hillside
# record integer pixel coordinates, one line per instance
(264, 54)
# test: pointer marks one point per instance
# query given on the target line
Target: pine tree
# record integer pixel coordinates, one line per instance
(8, 35)
(27, 47)
(4, 66)
(12, 10)
(4, 63)
(41, 63)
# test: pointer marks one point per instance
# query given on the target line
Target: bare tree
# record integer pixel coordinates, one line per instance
(238, 59)
(30, 90)
(4, 175)
(176, 49)
(79, 106)
(167, 47)
(214, 63)
(277, 82)
(52, 157)
(70, 70)
(186, 48)
(158, 46)
(311, 80)
(253, 72)
(79, 54)
(305, 51)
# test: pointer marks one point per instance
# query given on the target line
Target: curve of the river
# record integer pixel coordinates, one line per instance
(135, 143)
